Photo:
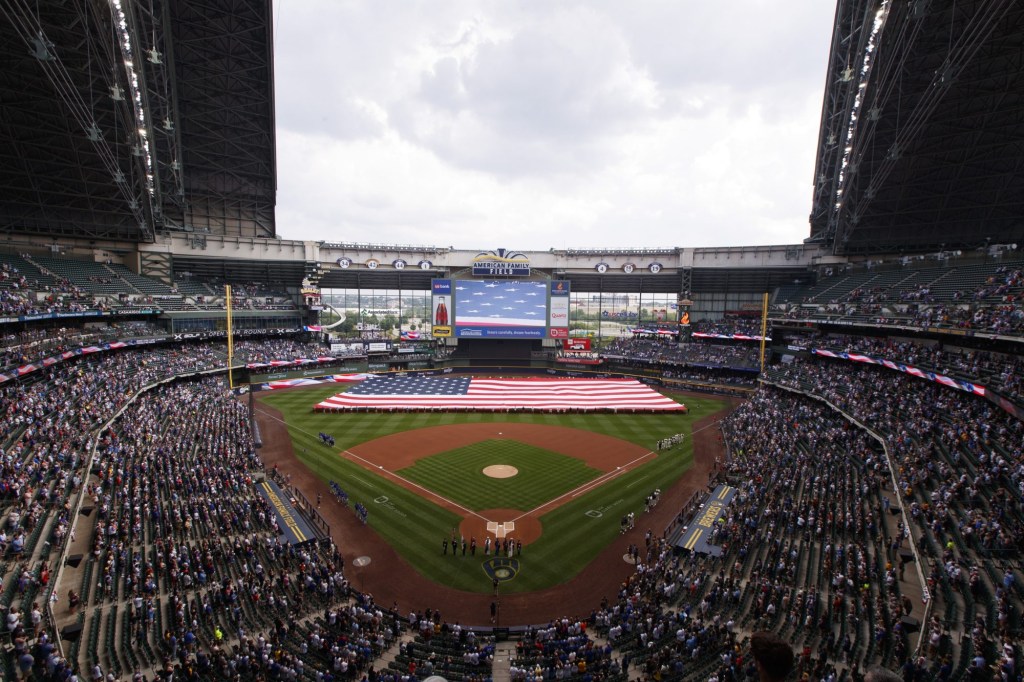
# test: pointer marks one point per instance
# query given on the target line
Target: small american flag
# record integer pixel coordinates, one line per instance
(481, 394)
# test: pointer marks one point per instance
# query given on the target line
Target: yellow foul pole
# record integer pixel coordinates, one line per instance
(764, 327)
(231, 341)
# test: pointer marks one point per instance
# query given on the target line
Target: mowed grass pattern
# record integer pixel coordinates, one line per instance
(572, 534)
(458, 475)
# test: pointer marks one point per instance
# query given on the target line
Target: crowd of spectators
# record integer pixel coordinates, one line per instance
(20, 295)
(991, 307)
(730, 325)
(267, 350)
(35, 344)
(184, 554)
(696, 354)
(48, 419)
(15, 303)
(959, 463)
(1005, 318)
(1000, 371)
(181, 543)
(1005, 286)
(176, 475)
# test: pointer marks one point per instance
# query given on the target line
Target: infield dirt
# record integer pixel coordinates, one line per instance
(394, 583)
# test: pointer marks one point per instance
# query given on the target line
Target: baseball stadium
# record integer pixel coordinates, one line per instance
(229, 455)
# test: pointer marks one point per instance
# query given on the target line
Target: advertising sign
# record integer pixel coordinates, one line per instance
(441, 305)
(501, 262)
(558, 310)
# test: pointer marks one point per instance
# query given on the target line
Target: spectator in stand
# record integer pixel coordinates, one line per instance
(880, 674)
(772, 656)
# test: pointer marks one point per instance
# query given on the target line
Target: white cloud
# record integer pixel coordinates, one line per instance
(537, 125)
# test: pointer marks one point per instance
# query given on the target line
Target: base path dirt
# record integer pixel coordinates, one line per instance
(394, 582)
(390, 454)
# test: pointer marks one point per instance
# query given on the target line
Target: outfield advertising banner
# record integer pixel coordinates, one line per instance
(558, 310)
(577, 344)
(441, 305)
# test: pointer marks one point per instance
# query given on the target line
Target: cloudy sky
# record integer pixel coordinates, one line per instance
(539, 124)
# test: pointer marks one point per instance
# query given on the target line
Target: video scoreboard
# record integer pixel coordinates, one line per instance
(500, 309)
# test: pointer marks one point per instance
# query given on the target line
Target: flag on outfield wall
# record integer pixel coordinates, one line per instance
(482, 394)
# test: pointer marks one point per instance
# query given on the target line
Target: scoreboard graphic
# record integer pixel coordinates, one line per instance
(500, 309)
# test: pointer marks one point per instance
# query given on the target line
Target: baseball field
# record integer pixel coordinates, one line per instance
(559, 484)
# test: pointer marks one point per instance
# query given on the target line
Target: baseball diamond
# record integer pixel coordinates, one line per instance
(404, 458)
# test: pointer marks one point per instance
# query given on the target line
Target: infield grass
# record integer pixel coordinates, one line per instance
(573, 534)
(458, 475)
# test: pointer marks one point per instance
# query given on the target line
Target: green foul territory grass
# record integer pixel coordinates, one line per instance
(458, 475)
(573, 534)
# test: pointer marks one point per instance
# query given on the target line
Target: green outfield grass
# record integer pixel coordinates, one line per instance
(458, 475)
(573, 533)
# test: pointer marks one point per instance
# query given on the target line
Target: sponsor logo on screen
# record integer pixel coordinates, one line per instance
(503, 262)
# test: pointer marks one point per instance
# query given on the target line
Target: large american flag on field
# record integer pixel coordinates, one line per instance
(481, 394)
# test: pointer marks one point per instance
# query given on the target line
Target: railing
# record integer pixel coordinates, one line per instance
(926, 596)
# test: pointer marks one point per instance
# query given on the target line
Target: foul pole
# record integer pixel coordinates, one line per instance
(231, 343)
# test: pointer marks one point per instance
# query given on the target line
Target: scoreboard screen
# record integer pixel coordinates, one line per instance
(501, 309)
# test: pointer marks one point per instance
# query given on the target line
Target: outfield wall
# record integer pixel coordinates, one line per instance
(545, 368)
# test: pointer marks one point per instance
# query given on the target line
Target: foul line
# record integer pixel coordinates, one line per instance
(378, 467)
(429, 493)
(604, 478)
(586, 487)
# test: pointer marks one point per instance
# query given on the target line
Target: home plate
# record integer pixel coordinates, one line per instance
(501, 529)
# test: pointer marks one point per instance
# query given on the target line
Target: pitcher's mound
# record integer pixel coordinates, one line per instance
(500, 471)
